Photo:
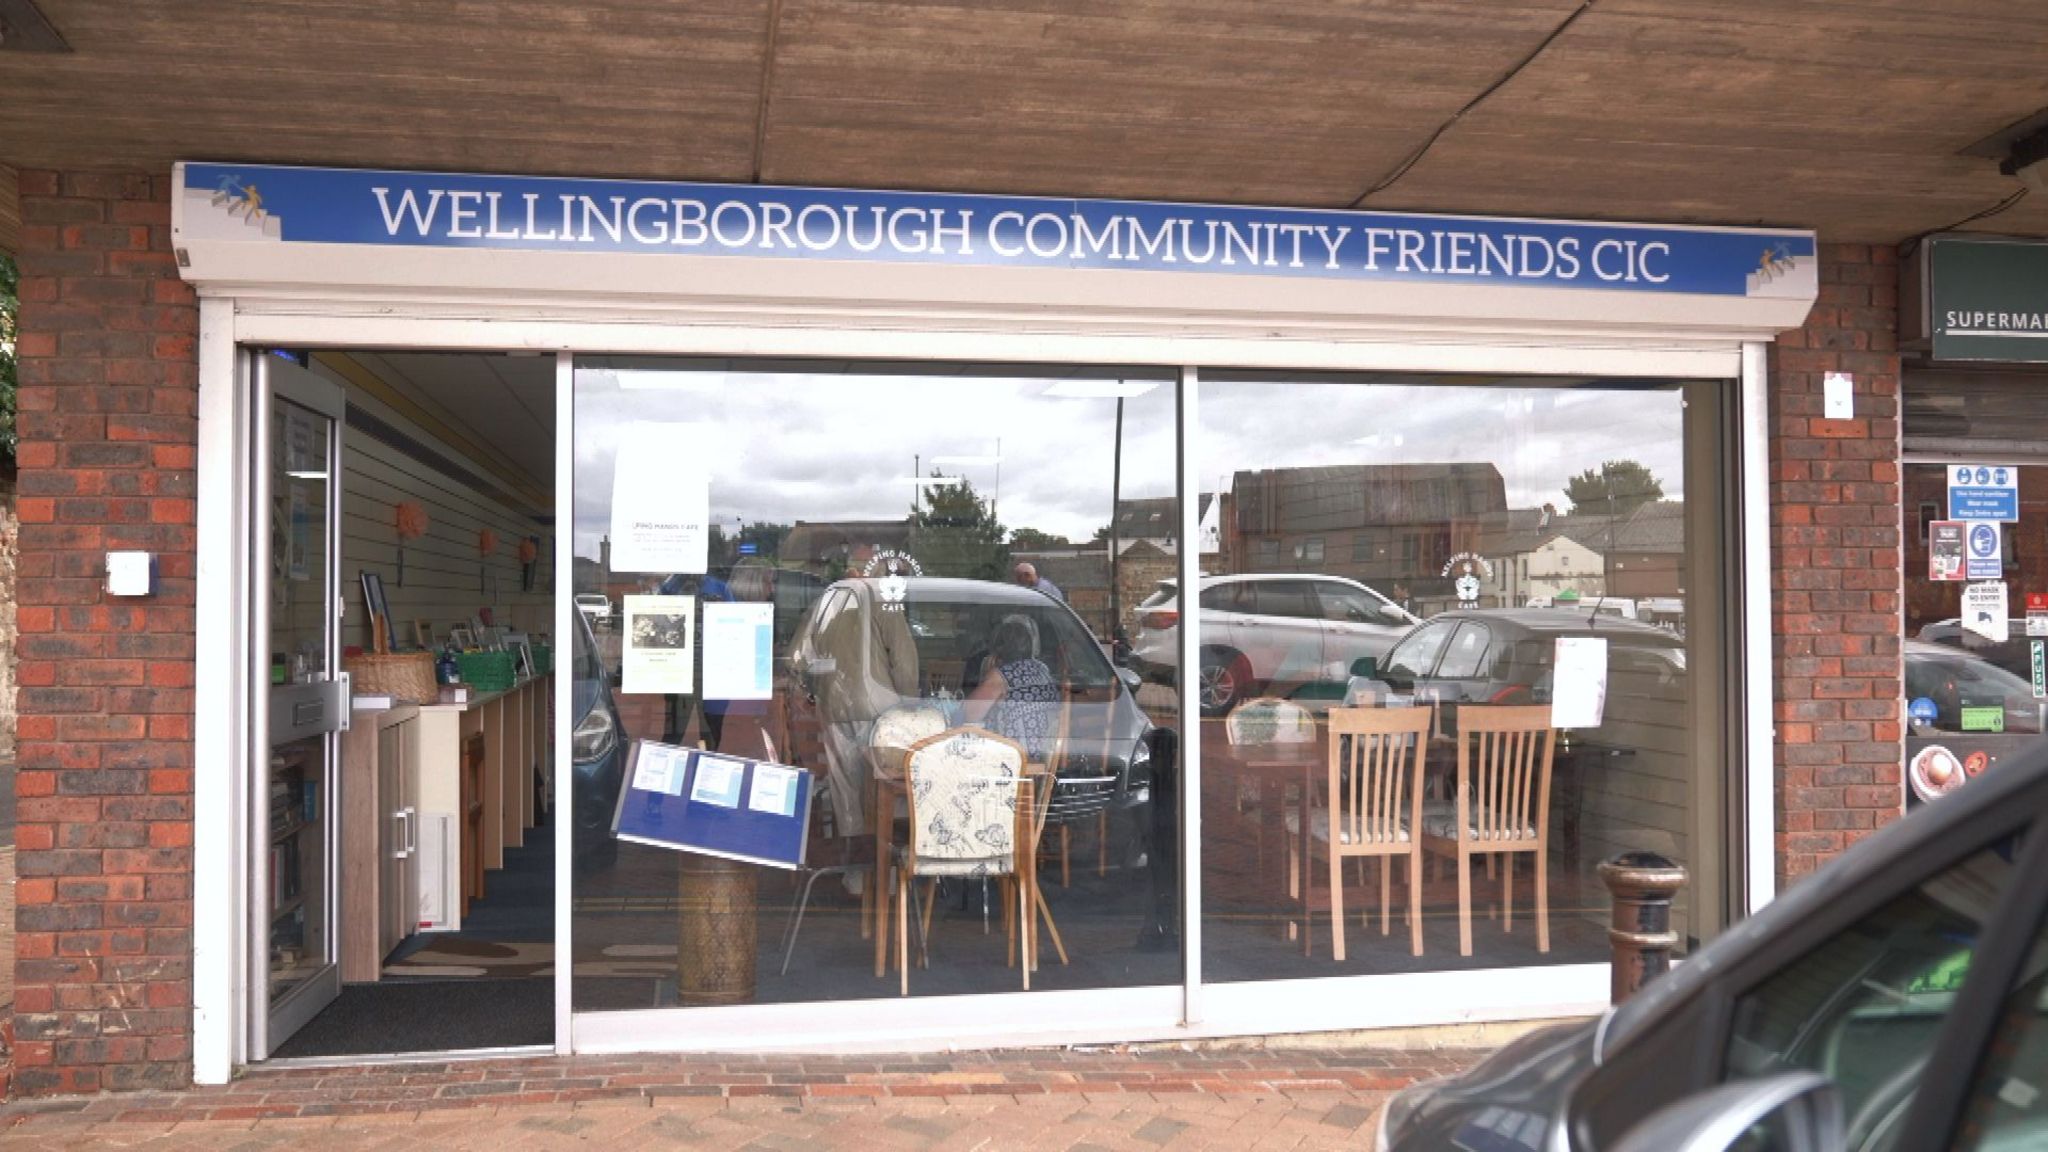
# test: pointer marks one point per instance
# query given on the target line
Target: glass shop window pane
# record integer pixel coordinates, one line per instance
(820, 566)
(1494, 520)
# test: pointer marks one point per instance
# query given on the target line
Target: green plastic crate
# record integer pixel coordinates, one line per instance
(486, 671)
(543, 659)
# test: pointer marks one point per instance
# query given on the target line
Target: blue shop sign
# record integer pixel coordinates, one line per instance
(1984, 492)
(264, 204)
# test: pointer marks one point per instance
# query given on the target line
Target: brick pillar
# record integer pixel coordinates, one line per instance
(1836, 580)
(109, 429)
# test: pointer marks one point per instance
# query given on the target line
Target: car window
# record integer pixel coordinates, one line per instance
(1163, 593)
(1415, 656)
(1464, 655)
(1292, 599)
(1233, 597)
(1343, 603)
(2008, 1103)
(1864, 1007)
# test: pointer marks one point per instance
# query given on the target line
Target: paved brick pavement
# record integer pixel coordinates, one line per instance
(976, 1102)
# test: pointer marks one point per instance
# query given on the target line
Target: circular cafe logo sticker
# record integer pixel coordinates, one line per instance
(893, 570)
(1467, 572)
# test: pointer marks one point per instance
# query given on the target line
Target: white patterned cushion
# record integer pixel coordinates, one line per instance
(964, 802)
(1270, 722)
(1319, 828)
(903, 727)
(1444, 824)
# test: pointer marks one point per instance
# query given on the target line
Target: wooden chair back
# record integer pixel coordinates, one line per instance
(963, 789)
(1375, 783)
(1504, 762)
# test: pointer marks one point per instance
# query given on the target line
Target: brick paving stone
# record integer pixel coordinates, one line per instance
(1111, 1100)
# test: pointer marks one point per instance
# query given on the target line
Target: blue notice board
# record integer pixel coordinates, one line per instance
(715, 805)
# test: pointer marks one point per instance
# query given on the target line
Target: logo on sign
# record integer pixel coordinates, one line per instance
(1985, 563)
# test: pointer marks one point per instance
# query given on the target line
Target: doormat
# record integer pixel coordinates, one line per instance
(459, 957)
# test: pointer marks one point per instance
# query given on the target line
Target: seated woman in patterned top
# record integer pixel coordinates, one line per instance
(1019, 698)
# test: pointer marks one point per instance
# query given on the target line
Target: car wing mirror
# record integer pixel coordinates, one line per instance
(1366, 668)
(1131, 680)
(1799, 1112)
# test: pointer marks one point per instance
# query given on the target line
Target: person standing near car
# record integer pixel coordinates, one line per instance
(1026, 573)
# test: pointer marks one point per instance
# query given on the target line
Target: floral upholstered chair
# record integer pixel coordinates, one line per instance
(963, 787)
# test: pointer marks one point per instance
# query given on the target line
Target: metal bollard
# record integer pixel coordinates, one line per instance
(1642, 884)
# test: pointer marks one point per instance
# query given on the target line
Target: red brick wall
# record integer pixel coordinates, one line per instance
(1836, 577)
(108, 420)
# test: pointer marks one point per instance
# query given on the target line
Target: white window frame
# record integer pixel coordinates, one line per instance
(274, 317)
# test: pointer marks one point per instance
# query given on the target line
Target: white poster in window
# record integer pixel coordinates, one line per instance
(718, 781)
(661, 500)
(1578, 682)
(774, 790)
(660, 769)
(660, 645)
(1984, 611)
(739, 651)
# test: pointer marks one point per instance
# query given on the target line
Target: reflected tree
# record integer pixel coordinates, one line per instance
(955, 533)
(1616, 488)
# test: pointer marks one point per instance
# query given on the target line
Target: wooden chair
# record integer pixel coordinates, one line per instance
(963, 787)
(1373, 810)
(1500, 807)
(890, 738)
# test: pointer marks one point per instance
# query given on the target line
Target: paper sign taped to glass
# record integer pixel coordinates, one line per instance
(1984, 611)
(1578, 682)
(661, 500)
(659, 653)
(713, 804)
(739, 651)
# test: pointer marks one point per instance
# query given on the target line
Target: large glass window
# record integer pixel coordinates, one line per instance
(1976, 680)
(1525, 553)
(921, 551)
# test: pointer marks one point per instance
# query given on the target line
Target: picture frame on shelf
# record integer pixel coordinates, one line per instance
(522, 660)
(423, 633)
(379, 608)
(462, 637)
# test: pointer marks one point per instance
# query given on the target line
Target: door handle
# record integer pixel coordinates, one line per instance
(402, 851)
(412, 831)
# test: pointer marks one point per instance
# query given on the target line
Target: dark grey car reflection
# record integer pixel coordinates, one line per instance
(869, 645)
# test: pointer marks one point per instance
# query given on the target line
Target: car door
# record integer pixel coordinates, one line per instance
(1289, 628)
(1356, 625)
(1866, 994)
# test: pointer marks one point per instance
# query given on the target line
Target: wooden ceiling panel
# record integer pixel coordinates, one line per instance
(1295, 101)
(1848, 117)
(627, 87)
(1844, 115)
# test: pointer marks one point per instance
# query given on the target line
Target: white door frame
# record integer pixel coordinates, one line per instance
(1187, 1010)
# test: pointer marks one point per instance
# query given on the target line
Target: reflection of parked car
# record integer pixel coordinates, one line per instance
(596, 748)
(1954, 680)
(870, 645)
(1941, 682)
(1504, 655)
(2013, 654)
(1264, 632)
(1904, 982)
(595, 605)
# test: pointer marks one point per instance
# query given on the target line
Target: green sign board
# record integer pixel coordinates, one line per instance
(2040, 669)
(1988, 299)
(1990, 719)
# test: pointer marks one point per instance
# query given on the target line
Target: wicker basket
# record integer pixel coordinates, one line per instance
(403, 676)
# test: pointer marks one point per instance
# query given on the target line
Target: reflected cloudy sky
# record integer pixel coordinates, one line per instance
(791, 446)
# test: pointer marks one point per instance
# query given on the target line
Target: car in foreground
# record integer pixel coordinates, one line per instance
(1895, 1001)
(1266, 632)
(870, 645)
(597, 751)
